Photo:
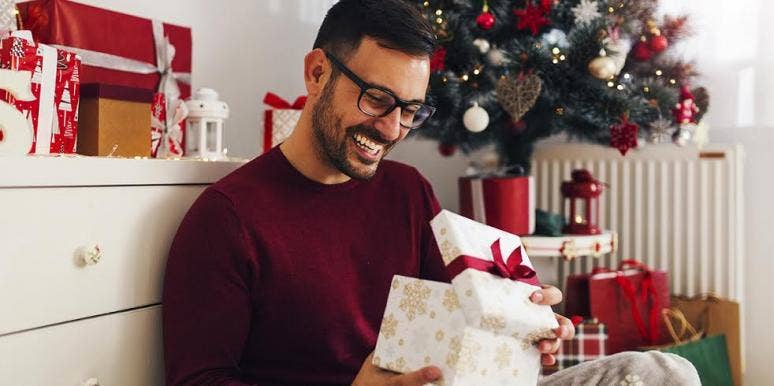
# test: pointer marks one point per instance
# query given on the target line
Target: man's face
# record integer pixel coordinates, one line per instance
(351, 141)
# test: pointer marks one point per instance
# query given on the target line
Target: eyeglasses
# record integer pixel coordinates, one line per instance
(375, 101)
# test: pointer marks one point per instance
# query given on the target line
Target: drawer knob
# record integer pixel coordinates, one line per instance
(90, 382)
(90, 256)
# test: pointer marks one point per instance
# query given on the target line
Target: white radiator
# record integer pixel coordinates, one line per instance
(674, 208)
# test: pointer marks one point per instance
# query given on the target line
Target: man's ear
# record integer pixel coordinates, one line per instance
(317, 71)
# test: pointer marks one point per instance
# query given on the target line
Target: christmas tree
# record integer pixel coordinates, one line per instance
(511, 72)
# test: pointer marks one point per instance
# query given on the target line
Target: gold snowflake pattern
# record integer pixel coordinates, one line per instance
(414, 301)
(439, 335)
(450, 300)
(632, 380)
(395, 283)
(503, 356)
(399, 365)
(377, 360)
(493, 323)
(454, 352)
(536, 336)
(449, 252)
(469, 354)
(389, 326)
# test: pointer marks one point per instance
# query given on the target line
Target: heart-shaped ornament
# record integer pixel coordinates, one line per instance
(518, 95)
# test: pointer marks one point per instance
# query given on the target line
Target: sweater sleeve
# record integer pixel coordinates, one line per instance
(432, 266)
(206, 298)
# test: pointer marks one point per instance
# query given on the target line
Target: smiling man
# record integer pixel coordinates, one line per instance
(280, 272)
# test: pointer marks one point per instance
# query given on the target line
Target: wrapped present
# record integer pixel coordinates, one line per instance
(588, 344)
(55, 87)
(116, 48)
(628, 301)
(114, 120)
(716, 316)
(279, 119)
(119, 49)
(504, 202)
(479, 330)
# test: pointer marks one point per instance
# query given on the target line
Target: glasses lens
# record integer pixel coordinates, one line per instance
(415, 114)
(376, 102)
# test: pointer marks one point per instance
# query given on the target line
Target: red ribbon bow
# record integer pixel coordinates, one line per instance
(515, 269)
(277, 102)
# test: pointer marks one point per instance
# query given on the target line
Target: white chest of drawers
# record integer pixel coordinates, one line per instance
(83, 245)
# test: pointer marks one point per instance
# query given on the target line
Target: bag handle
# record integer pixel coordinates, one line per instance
(673, 314)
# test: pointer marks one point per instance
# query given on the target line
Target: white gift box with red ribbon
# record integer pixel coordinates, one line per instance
(479, 330)
(280, 119)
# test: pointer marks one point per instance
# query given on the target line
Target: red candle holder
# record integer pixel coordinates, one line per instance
(581, 203)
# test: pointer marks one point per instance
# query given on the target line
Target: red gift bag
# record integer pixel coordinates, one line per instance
(506, 203)
(628, 301)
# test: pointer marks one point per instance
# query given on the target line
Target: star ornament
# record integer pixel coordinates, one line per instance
(533, 17)
(586, 11)
(623, 136)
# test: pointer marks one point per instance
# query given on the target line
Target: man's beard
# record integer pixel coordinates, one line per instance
(332, 139)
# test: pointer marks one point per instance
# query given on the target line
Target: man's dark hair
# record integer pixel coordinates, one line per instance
(394, 24)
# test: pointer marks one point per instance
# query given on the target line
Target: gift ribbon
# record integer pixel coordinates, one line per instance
(165, 53)
(515, 269)
(648, 292)
(172, 134)
(275, 101)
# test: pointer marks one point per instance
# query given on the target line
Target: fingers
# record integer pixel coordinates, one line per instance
(547, 359)
(549, 346)
(548, 296)
(417, 378)
(566, 330)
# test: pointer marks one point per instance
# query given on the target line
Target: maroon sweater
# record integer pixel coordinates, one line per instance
(274, 279)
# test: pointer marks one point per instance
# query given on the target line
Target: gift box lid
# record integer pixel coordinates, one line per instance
(488, 299)
(110, 91)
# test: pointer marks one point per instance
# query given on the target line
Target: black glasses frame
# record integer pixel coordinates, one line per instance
(365, 86)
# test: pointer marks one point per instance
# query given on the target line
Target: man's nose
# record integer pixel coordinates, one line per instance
(389, 125)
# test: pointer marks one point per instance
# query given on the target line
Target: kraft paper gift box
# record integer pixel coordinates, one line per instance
(115, 120)
(479, 330)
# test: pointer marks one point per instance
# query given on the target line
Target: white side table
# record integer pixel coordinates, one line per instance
(553, 255)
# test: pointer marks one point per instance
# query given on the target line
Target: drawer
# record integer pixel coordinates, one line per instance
(123, 349)
(42, 277)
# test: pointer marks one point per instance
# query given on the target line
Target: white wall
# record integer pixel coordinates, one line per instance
(244, 48)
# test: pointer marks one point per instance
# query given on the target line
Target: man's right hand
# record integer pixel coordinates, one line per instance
(371, 375)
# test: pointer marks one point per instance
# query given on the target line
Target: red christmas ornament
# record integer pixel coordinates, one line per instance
(623, 136)
(438, 60)
(2, 135)
(642, 52)
(533, 17)
(658, 43)
(447, 150)
(485, 20)
(685, 111)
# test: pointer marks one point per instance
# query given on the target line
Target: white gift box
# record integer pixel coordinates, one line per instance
(479, 330)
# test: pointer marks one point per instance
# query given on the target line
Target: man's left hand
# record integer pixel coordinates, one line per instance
(551, 296)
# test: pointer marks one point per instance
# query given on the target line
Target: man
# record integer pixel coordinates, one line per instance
(279, 273)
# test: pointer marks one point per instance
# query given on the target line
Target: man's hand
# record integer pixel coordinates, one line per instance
(371, 375)
(550, 296)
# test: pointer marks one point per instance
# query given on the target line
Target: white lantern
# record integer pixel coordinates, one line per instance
(204, 125)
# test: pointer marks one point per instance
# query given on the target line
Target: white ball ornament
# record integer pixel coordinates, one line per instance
(476, 119)
(482, 45)
(496, 57)
(602, 67)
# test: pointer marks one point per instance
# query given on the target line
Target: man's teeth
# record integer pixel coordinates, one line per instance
(367, 144)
